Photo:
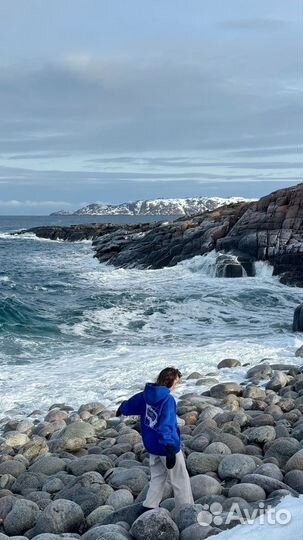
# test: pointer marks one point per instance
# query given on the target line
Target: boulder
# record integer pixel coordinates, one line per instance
(188, 515)
(60, 516)
(260, 435)
(12, 467)
(249, 492)
(260, 371)
(21, 518)
(282, 449)
(48, 465)
(223, 389)
(228, 363)
(199, 463)
(295, 462)
(297, 324)
(135, 479)
(120, 498)
(88, 463)
(148, 525)
(236, 466)
(294, 479)
(202, 484)
(106, 532)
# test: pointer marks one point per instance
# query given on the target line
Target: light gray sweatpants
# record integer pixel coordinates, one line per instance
(177, 476)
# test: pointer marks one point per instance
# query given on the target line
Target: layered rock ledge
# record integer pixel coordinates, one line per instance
(84, 473)
(270, 229)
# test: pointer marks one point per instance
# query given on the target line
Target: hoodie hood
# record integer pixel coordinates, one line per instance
(154, 394)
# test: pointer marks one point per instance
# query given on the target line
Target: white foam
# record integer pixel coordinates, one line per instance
(180, 316)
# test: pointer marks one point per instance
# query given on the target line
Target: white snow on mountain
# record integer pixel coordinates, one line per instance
(161, 207)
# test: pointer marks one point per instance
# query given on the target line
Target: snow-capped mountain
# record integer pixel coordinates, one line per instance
(161, 207)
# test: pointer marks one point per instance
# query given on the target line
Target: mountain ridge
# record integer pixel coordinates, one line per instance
(158, 207)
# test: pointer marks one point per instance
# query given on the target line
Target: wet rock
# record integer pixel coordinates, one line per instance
(194, 375)
(228, 363)
(297, 325)
(254, 392)
(278, 381)
(261, 371)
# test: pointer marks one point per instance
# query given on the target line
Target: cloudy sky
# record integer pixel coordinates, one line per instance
(115, 100)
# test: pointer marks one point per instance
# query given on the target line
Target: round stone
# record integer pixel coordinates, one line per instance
(236, 466)
(198, 463)
(148, 525)
(249, 492)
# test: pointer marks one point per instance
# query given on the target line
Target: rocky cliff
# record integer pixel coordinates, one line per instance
(269, 229)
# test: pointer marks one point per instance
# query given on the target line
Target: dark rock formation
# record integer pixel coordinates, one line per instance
(298, 319)
(270, 229)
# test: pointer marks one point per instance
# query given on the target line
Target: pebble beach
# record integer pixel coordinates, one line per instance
(84, 473)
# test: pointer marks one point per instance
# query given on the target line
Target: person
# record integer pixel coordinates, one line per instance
(161, 438)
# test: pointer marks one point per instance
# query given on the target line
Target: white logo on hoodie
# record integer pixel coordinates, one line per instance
(151, 416)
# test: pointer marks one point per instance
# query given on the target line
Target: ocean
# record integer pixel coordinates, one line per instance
(74, 330)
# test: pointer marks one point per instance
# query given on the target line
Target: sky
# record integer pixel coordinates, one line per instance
(115, 100)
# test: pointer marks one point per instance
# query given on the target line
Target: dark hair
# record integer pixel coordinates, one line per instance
(168, 376)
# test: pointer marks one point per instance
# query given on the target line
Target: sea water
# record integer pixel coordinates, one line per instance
(74, 330)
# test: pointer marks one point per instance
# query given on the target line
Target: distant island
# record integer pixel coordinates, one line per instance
(153, 207)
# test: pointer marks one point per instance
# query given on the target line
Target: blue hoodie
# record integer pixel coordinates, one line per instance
(157, 409)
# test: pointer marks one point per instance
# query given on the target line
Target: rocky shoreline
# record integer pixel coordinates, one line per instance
(84, 473)
(270, 229)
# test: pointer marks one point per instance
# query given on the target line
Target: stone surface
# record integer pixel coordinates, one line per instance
(236, 466)
(199, 463)
(202, 484)
(261, 434)
(249, 492)
(147, 526)
(59, 516)
(21, 518)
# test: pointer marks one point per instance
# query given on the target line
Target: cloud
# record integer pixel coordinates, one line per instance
(208, 98)
(33, 204)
